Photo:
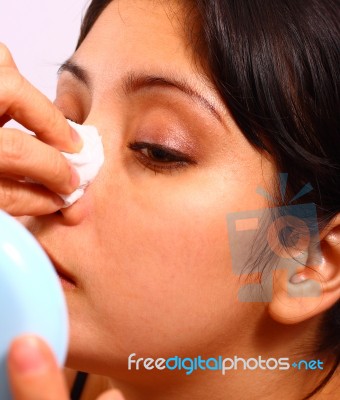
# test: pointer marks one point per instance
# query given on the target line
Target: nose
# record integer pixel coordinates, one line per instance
(78, 211)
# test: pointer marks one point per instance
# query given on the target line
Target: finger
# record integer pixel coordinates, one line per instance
(111, 395)
(22, 154)
(4, 119)
(6, 59)
(23, 102)
(14, 177)
(19, 199)
(33, 371)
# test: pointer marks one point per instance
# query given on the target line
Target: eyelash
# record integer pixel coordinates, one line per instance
(177, 160)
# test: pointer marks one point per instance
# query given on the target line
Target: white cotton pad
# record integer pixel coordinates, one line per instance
(87, 162)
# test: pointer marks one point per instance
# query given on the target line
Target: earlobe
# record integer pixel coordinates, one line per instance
(302, 292)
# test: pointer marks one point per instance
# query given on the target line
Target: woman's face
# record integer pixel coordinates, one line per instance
(148, 244)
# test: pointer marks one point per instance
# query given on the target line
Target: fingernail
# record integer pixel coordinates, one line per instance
(115, 395)
(76, 138)
(27, 356)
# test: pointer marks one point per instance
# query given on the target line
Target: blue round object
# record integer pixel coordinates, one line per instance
(31, 296)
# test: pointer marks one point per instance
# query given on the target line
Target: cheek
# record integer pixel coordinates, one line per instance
(164, 265)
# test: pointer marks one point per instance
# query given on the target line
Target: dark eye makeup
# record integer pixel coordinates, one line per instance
(156, 157)
(160, 158)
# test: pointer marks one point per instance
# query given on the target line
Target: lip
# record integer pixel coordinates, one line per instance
(65, 277)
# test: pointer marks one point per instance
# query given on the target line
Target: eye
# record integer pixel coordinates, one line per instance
(158, 157)
(70, 110)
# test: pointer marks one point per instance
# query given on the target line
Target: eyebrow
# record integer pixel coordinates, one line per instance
(133, 82)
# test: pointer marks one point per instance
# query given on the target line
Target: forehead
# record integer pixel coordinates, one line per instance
(141, 33)
(144, 38)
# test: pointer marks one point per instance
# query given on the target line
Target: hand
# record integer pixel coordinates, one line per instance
(34, 373)
(22, 155)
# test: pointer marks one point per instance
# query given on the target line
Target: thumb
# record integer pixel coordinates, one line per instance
(111, 395)
(33, 371)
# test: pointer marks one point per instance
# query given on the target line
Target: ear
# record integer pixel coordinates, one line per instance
(304, 292)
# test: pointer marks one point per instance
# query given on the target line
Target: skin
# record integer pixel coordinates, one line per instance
(148, 249)
(19, 100)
